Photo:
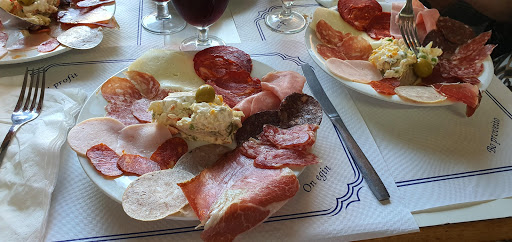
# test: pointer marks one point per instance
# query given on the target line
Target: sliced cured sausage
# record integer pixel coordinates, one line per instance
(356, 48)
(358, 13)
(455, 31)
(168, 153)
(328, 52)
(48, 45)
(285, 158)
(120, 89)
(148, 86)
(137, 164)
(104, 159)
(385, 86)
(379, 25)
(221, 63)
(140, 110)
(299, 137)
(328, 35)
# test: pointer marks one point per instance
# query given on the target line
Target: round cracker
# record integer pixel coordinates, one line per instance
(420, 94)
(200, 158)
(156, 195)
(253, 125)
(298, 109)
(81, 37)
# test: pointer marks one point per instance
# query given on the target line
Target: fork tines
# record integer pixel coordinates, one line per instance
(410, 35)
(33, 90)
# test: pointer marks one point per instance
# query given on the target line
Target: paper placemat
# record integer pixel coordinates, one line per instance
(333, 202)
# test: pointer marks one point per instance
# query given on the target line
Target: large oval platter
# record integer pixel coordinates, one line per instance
(311, 41)
(114, 188)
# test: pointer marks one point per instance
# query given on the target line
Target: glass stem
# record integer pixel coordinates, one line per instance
(202, 37)
(162, 11)
(287, 8)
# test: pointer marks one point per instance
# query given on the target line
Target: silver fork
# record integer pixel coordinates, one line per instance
(407, 25)
(28, 106)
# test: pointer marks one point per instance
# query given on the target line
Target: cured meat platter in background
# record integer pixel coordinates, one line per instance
(312, 41)
(114, 188)
(32, 54)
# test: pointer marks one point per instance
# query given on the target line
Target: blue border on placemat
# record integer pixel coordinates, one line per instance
(263, 14)
(351, 196)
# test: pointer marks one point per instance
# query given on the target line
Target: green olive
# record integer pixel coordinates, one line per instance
(205, 93)
(26, 2)
(422, 68)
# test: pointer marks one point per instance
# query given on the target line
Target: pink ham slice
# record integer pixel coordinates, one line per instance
(142, 139)
(283, 83)
(354, 70)
(276, 86)
(258, 102)
(94, 131)
(233, 196)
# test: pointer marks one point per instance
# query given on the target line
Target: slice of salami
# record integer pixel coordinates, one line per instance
(137, 164)
(120, 89)
(356, 48)
(472, 45)
(328, 35)
(168, 153)
(140, 110)
(299, 137)
(385, 86)
(328, 52)
(437, 77)
(379, 26)
(358, 13)
(285, 158)
(48, 45)
(253, 148)
(104, 159)
(455, 31)
(220, 63)
(121, 111)
(148, 86)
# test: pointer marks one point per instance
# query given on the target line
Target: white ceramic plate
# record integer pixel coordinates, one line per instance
(14, 57)
(95, 107)
(311, 42)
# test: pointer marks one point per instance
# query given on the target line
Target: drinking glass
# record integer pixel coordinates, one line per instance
(285, 20)
(200, 14)
(161, 21)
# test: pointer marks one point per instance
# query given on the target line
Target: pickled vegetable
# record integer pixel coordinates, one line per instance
(205, 93)
(422, 68)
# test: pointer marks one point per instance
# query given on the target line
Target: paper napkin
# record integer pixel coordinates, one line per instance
(29, 170)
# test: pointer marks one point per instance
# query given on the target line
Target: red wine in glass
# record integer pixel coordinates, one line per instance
(201, 14)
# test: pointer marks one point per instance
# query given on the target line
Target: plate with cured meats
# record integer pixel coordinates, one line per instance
(205, 136)
(37, 29)
(359, 44)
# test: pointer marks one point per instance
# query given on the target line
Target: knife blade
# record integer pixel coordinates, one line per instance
(369, 174)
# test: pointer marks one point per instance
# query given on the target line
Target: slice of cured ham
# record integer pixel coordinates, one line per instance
(258, 102)
(233, 196)
(283, 83)
(356, 71)
(462, 92)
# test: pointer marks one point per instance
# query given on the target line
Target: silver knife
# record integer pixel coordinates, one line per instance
(369, 174)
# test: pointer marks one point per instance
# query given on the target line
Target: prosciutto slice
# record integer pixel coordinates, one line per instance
(233, 196)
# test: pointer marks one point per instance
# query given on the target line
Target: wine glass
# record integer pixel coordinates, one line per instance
(161, 21)
(200, 14)
(285, 20)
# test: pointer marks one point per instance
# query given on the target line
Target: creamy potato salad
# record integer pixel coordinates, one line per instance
(394, 59)
(34, 11)
(213, 121)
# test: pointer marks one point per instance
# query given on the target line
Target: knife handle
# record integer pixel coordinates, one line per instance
(366, 168)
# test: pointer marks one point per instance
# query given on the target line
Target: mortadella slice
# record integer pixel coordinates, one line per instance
(94, 131)
(354, 70)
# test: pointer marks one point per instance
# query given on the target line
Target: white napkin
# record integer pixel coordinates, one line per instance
(29, 170)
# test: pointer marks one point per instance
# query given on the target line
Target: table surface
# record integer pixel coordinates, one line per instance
(486, 230)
